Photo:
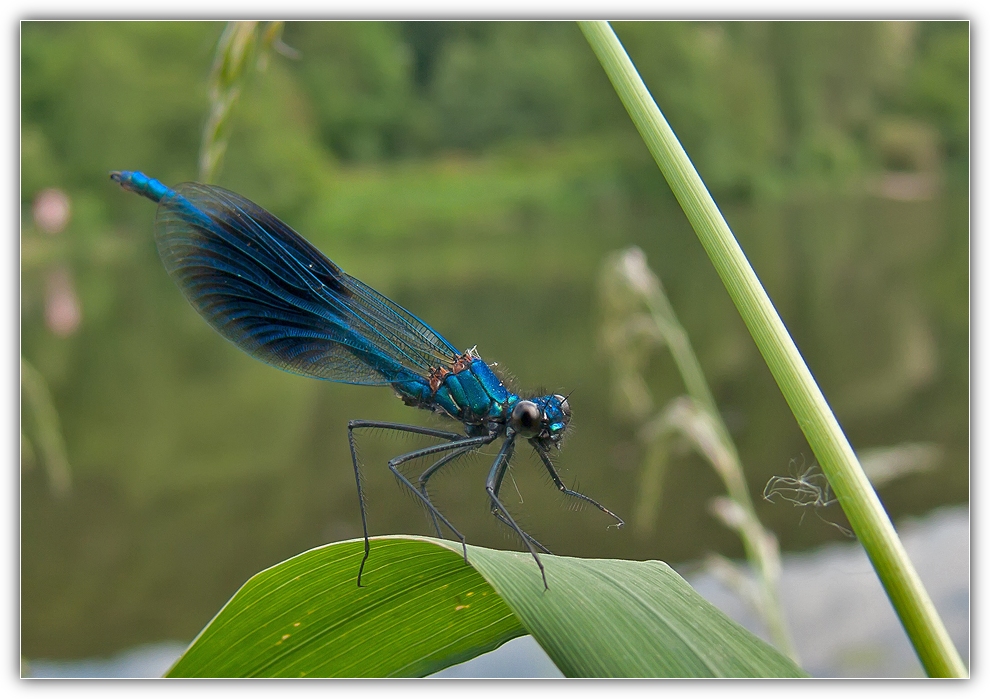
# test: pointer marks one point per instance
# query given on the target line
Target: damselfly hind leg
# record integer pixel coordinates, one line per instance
(428, 473)
(468, 443)
(456, 441)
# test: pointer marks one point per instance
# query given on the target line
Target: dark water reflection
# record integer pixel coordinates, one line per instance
(195, 466)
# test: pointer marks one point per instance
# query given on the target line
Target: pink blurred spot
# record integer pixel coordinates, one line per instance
(62, 310)
(51, 210)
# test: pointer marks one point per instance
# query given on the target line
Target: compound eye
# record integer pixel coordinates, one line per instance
(526, 419)
(565, 407)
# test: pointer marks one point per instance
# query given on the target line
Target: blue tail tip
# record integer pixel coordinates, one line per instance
(140, 183)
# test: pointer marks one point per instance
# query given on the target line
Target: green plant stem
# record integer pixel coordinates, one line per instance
(825, 437)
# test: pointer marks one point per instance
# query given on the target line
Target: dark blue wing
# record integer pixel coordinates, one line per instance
(278, 298)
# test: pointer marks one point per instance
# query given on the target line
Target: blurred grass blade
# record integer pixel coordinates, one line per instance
(636, 300)
(38, 401)
(423, 610)
(838, 461)
(886, 464)
(236, 50)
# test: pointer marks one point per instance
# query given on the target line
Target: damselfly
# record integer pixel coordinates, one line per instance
(278, 298)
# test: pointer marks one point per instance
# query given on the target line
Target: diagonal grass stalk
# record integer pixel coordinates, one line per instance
(838, 461)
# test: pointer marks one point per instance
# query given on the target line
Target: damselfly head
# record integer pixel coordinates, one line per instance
(543, 418)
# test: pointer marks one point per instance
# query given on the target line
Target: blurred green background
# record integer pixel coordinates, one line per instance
(478, 174)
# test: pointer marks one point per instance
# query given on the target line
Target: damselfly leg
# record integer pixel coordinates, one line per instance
(545, 458)
(492, 485)
(457, 441)
(428, 473)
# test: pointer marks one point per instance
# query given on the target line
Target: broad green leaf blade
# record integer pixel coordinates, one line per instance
(421, 610)
(612, 618)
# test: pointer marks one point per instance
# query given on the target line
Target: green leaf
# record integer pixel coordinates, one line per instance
(614, 618)
(423, 609)
(420, 610)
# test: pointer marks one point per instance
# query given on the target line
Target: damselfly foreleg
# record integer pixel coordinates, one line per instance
(567, 491)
